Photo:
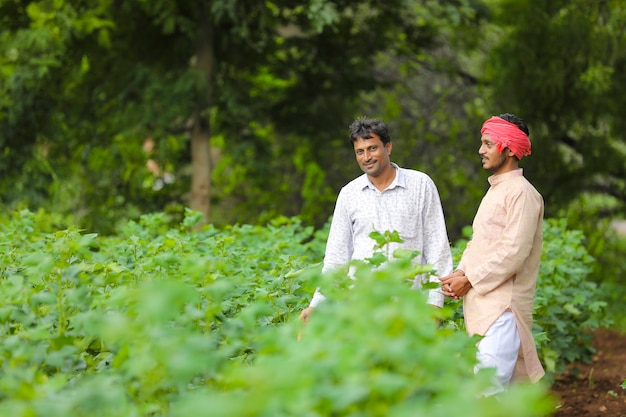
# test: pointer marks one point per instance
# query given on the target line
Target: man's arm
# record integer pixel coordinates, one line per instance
(340, 243)
(339, 246)
(436, 250)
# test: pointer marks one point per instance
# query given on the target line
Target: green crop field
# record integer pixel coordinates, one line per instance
(174, 321)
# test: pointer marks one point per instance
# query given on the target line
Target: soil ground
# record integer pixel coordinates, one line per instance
(594, 389)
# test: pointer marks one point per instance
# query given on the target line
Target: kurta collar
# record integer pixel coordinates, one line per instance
(497, 179)
(398, 181)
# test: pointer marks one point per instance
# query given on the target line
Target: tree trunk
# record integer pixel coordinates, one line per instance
(201, 168)
(201, 132)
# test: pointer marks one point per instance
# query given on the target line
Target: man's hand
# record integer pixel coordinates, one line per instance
(304, 315)
(455, 285)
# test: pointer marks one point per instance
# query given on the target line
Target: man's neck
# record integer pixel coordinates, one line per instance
(511, 165)
(382, 181)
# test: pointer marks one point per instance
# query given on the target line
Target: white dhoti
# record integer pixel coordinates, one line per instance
(499, 349)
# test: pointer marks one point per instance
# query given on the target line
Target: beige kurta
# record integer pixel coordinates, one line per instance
(502, 263)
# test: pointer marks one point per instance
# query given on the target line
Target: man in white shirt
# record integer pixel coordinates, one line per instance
(386, 198)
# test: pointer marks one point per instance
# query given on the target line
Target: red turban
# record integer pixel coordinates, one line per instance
(507, 135)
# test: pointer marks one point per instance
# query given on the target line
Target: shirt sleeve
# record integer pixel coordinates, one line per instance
(339, 246)
(318, 297)
(436, 244)
(523, 211)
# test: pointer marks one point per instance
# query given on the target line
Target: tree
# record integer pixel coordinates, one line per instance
(564, 73)
(268, 81)
(40, 73)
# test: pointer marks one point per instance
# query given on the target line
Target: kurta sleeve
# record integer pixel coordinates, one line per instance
(523, 209)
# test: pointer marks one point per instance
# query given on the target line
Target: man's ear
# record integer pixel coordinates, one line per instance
(509, 152)
(388, 146)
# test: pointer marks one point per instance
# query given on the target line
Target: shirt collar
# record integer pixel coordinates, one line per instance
(398, 181)
(497, 179)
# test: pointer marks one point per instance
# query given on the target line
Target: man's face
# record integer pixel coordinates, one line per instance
(492, 160)
(372, 155)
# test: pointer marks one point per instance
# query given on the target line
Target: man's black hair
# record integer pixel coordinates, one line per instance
(363, 127)
(511, 118)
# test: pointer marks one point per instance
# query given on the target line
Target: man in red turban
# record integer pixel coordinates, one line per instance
(507, 135)
(497, 274)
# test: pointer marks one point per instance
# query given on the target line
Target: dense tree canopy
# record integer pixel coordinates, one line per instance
(565, 73)
(260, 80)
(240, 108)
